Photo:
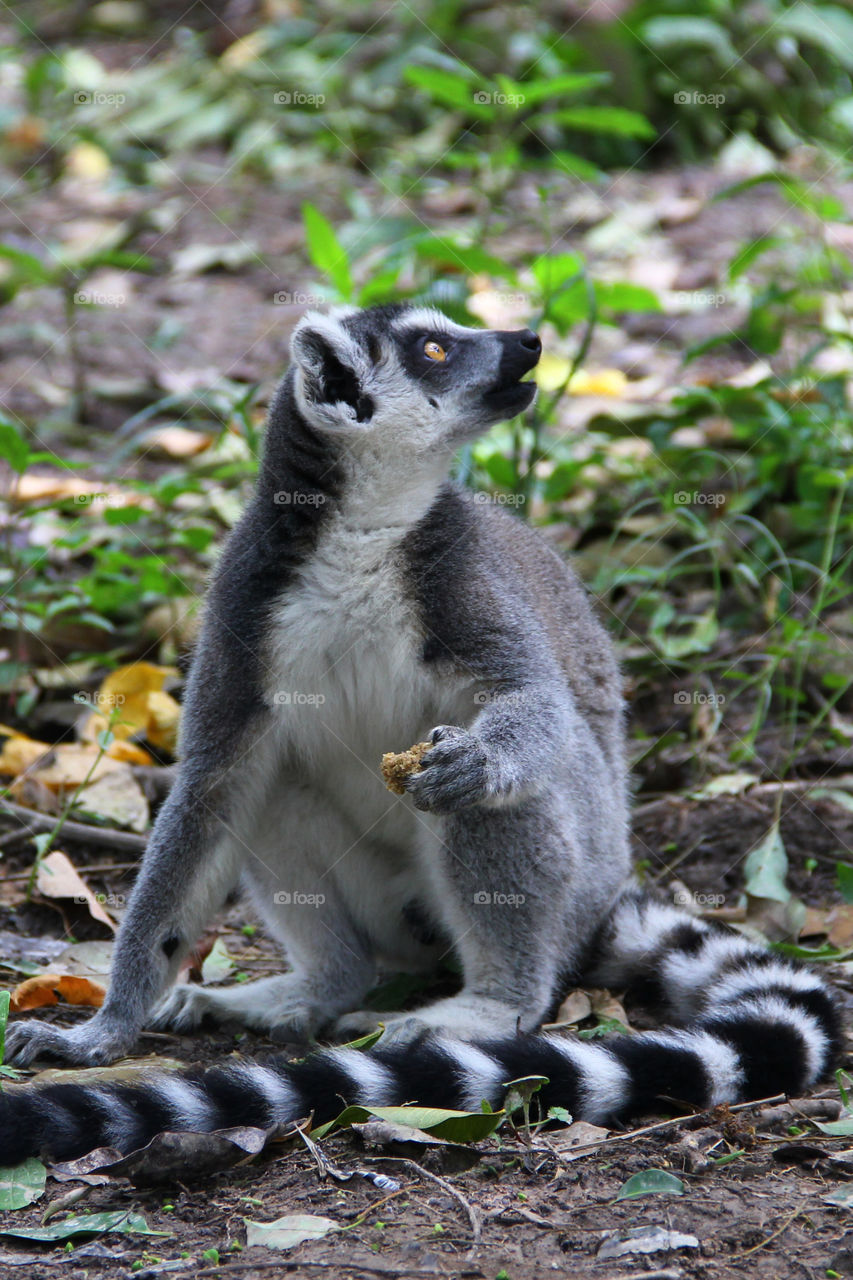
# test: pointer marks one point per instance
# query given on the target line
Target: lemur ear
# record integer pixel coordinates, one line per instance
(332, 365)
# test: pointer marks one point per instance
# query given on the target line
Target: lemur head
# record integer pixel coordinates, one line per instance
(409, 376)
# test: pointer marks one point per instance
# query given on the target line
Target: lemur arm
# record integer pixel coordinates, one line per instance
(505, 757)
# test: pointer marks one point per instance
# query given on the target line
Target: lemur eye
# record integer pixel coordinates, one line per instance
(433, 351)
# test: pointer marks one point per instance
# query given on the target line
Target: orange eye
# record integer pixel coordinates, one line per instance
(434, 352)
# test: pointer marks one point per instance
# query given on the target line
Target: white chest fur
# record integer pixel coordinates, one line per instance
(343, 658)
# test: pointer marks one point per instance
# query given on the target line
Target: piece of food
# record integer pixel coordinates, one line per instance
(397, 765)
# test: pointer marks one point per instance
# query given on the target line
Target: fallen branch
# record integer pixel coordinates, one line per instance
(107, 837)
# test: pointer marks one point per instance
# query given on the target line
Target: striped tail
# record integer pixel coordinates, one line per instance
(754, 1025)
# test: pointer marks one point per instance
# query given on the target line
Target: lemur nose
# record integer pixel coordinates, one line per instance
(530, 341)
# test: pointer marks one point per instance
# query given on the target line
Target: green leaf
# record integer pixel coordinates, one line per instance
(22, 1185)
(617, 120)
(85, 1224)
(827, 26)
(842, 1128)
(651, 1182)
(540, 90)
(681, 32)
(325, 250)
(470, 258)
(745, 257)
(844, 876)
(453, 89)
(288, 1231)
(622, 296)
(454, 1126)
(842, 798)
(725, 784)
(766, 868)
(31, 268)
(13, 447)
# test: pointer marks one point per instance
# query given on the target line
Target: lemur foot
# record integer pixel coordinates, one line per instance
(287, 1017)
(91, 1045)
(462, 1017)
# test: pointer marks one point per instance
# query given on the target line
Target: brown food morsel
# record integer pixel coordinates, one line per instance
(397, 765)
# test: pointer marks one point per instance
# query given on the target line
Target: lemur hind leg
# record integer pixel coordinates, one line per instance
(501, 886)
(297, 839)
(191, 864)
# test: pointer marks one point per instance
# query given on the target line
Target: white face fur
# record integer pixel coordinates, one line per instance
(408, 380)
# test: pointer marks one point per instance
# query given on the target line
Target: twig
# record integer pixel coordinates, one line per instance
(96, 869)
(129, 841)
(784, 1227)
(473, 1214)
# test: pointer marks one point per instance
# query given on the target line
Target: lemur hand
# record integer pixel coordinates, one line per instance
(453, 773)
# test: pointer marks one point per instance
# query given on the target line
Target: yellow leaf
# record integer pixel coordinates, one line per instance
(142, 705)
(19, 752)
(129, 752)
(551, 371)
(177, 442)
(598, 382)
(86, 160)
(68, 765)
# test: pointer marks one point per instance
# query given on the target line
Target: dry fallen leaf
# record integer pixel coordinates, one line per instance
(576, 1006)
(19, 752)
(136, 693)
(176, 442)
(30, 488)
(67, 766)
(118, 798)
(51, 988)
(57, 878)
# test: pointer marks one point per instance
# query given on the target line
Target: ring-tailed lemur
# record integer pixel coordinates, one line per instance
(363, 604)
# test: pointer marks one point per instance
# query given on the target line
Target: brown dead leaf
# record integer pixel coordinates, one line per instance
(177, 442)
(605, 1005)
(814, 923)
(840, 922)
(576, 1006)
(58, 878)
(51, 988)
